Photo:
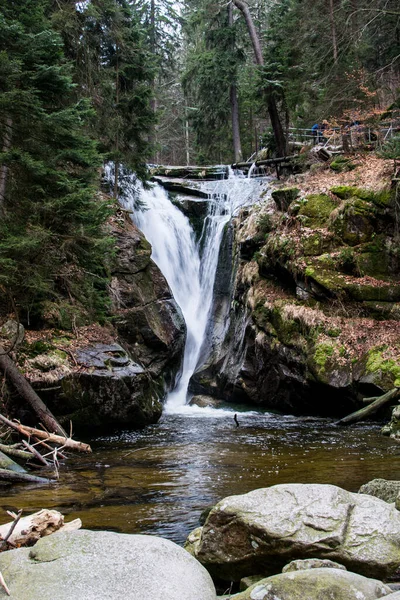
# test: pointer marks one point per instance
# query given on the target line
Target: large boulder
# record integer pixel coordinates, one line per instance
(263, 530)
(109, 389)
(316, 584)
(381, 488)
(88, 565)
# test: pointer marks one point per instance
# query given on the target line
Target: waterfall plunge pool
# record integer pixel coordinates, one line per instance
(159, 480)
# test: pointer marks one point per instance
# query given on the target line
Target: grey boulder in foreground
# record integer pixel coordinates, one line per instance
(89, 565)
(316, 584)
(263, 530)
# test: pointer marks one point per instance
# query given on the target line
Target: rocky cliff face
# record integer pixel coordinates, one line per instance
(314, 318)
(113, 376)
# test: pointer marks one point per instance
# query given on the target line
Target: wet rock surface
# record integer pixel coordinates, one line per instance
(265, 529)
(148, 319)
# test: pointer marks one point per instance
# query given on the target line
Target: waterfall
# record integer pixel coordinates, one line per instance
(188, 265)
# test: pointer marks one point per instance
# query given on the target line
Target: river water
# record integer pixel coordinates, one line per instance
(160, 479)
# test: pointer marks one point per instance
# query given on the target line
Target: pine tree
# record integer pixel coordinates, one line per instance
(52, 243)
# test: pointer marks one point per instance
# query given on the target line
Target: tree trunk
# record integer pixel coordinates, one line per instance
(28, 393)
(361, 414)
(276, 124)
(4, 168)
(7, 475)
(333, 31)
(52, 438)
(31, 528)
(237, 146)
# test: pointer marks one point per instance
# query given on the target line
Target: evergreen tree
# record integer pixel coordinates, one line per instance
(52, 243)
(113, 69)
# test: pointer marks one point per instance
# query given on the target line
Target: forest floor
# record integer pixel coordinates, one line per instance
(371, 173)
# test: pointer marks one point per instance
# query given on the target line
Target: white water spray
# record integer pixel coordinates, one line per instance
(190, 266)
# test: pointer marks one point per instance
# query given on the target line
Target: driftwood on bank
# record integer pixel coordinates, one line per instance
(28, 393)
(52, 438)
(15, 452)
(28, 530)
(6, 475)
(372, 408)
(8, 463)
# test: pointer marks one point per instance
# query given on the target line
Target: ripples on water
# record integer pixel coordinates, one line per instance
(160, 479)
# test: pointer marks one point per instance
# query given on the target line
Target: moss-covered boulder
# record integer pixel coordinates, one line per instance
(315, 584)
(341, 164)
(317, 209)
(381, 488)
(381, 198)
(354, 222)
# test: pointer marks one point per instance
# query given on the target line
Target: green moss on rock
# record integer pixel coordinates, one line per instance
(318, 209)
(381, 198)
(354, 223)
(322, 354)
(377, 362)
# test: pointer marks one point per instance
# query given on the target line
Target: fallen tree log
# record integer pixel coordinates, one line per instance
(28, 393)
(16, 452)
(261, 163)
(65, 442)
(8, 463)
(361, 414)
(7, 475)
(31, 528)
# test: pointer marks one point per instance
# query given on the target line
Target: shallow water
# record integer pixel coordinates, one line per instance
(159, 480)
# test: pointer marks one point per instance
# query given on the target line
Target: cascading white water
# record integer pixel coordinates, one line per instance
(189, 266)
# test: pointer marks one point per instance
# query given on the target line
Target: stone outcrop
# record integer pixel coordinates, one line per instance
(314, 314)
(89, 565)
(148, 319)
(109, 389)
(315, 584)
(263, 530)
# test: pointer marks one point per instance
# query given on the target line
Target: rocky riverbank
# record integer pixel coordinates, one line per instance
(292, 541)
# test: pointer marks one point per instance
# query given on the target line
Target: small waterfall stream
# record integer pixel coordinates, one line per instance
(188, 265)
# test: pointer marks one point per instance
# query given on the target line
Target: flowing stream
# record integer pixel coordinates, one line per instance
(190, 265)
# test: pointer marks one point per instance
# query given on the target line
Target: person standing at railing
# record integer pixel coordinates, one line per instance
(316, 131)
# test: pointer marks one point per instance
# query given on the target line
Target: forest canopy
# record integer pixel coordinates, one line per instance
(133, 82)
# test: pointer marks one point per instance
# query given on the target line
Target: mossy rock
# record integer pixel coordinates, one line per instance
(317, 243)
(380, 368)
(284, 197)
(327, 278)
(373, 293)
(383, 310)
(327, 365)
(374, 264)
(317, 209)
(354, 223)
(381, 198)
